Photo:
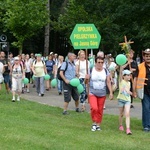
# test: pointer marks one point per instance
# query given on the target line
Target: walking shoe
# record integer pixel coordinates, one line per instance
(18, 98)
(131, 106)
(13, 99)
(65, 112)
(42, 95)
(28, 91)
(121, 128)
(128, 131)
(77, 110)
(146, 129)
(93, 128)
(98, 128)
(39, 94)
(60, 93)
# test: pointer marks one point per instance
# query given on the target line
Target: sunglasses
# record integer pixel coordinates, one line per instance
(100, 62)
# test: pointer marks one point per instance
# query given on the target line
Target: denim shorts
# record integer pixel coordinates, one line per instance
(122, 103)
(6, 78)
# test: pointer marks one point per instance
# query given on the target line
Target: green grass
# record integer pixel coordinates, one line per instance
(28, 125)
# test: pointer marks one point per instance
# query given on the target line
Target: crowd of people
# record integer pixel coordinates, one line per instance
(98, 79)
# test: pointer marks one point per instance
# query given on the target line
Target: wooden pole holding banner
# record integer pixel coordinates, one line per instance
(87, 80)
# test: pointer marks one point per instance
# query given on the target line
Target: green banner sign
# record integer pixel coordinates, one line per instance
(85, 36)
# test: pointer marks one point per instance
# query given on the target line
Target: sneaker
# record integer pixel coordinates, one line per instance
(131, 106)
(98, 128)
(18, 98)
(65, 112)
(93, 128)
(28, 91)
(77, 110)
(128, 132)
(60, 93)
(39, 94)
(121, 128)
(146, 129)
(42, 95)
(13, 99)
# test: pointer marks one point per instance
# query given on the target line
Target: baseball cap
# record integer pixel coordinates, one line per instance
(126, 72)
(38, 55)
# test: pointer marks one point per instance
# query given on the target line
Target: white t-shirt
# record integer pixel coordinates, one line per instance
(82, 71)
(1, 72)
(98, 82)
(28, 65)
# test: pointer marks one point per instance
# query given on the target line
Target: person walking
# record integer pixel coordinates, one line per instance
(81, 74)
(27, 71)
(69, 90)
(1, 74)
(124, 99)
(142, 89)
(99, 78)
(50, 66)
(17, 76)
(59, 82)
(133, 67)
(39, 71)
(7, 69)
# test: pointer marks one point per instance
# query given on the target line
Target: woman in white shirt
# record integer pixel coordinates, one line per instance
(17, 76)
(81, 72)
(97, 95)
(27, 70)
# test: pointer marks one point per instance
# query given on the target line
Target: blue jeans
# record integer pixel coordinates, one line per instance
(146, 111)
(59, 85)
(39, 83)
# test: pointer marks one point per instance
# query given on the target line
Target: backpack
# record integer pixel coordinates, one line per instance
(20, 66)
(58, 71)
(35, 61)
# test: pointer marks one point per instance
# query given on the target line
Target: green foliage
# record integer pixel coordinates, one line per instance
(114, 20)
(24, 18)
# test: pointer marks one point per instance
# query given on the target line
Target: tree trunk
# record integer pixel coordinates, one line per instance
(47, 32)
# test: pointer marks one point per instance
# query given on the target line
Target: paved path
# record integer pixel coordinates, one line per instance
(53, 99)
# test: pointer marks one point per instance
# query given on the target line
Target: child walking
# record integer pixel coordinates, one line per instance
(124, 99)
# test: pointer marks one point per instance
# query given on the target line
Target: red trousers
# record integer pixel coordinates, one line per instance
(96, 105)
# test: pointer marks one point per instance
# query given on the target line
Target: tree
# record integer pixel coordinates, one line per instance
(114, 19)
(24, 18)
(47, 31)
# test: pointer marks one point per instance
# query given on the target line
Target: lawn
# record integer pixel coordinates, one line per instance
(28, 125)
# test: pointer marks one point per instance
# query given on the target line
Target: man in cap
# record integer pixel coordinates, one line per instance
(142, 87)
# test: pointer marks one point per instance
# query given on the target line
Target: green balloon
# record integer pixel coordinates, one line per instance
(25, 80)
(80, 88)
(53, 82)
(91, 63)
(121, 59)
(75, 82)
(47, 77)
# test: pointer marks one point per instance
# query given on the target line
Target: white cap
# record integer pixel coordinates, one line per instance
(16, 58)
(126, 72)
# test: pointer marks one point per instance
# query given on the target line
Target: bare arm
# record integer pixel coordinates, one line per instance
(109, 87)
